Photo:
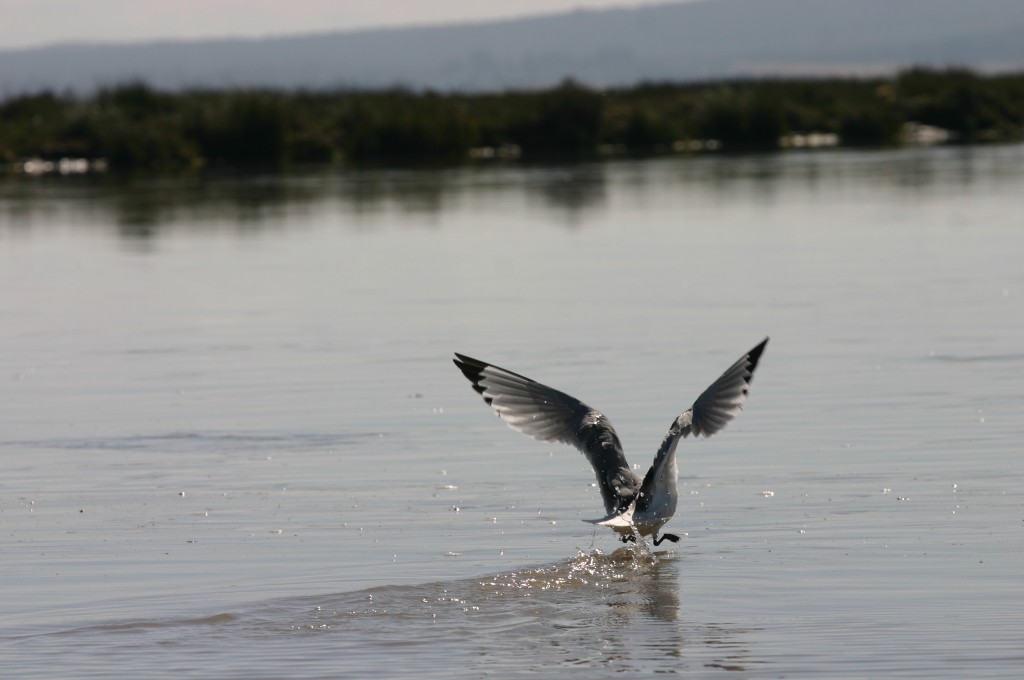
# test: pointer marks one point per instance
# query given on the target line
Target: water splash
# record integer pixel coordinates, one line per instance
(587, 569)
(641, 544)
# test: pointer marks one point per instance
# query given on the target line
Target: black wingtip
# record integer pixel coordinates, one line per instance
(754, 356)
(473, 370)
(468, 364)
(464, 362)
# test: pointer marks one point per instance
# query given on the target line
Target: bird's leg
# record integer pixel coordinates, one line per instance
(664, 537)
(628, 538)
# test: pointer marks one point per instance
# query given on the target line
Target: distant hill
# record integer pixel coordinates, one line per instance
(675, 42)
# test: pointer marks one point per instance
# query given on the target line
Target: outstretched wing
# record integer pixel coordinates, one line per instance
(723, 399)
(546, 414)
(712, 411)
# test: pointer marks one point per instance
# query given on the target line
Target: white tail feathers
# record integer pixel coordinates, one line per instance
(618, 519)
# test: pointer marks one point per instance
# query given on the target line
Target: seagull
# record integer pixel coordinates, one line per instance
(634, 505)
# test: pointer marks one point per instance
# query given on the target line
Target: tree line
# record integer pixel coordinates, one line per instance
(134, 126)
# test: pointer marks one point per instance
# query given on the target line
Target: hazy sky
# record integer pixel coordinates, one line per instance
(26, 23)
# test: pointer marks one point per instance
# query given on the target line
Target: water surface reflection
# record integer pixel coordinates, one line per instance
(141, 206)
(620, 611)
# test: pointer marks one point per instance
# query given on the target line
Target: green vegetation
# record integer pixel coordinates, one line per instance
(134, 126)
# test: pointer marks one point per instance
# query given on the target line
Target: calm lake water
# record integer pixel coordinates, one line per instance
(234, 445)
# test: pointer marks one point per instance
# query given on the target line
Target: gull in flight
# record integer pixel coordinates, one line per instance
(634, 505)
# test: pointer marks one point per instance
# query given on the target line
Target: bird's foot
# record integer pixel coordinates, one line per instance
(666, 537)
(628, 538)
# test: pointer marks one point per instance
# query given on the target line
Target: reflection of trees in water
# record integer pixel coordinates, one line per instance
(141, 206)
(413, 191)
(765, 176)
(571, 190)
